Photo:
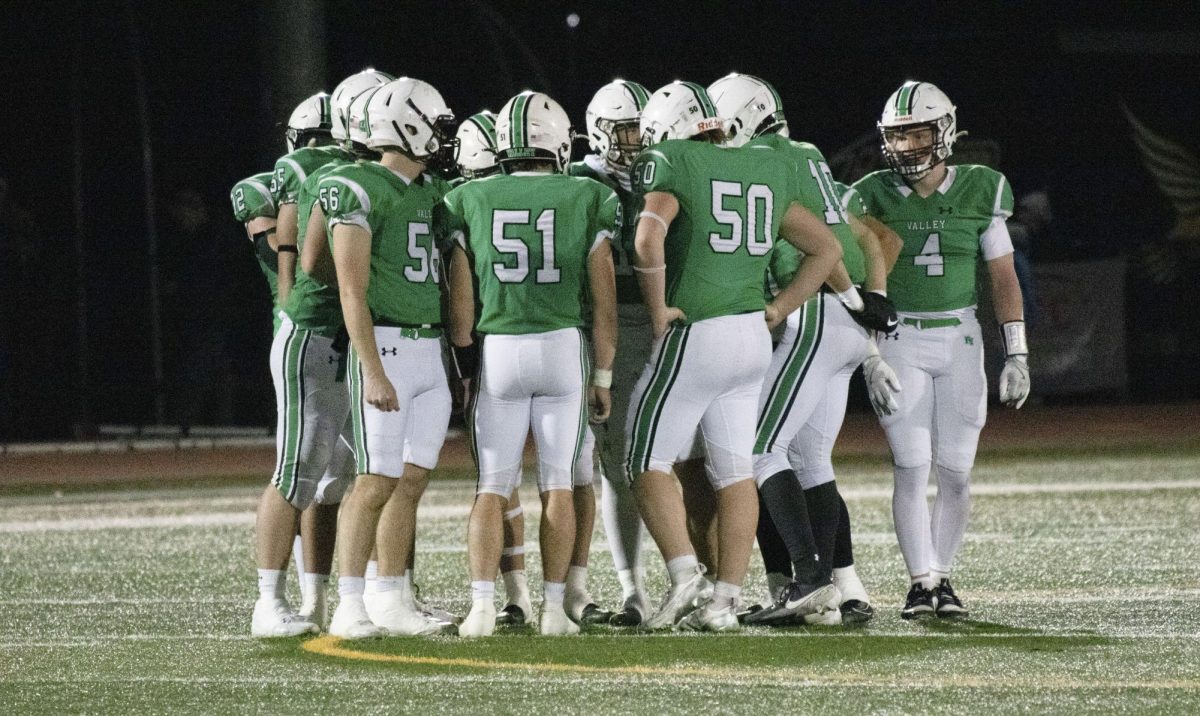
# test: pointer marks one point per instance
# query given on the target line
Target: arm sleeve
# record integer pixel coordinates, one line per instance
(451, 227)
(608, 219)
(995, 240)
(345, 201)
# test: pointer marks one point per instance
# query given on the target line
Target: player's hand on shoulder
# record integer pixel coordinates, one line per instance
(1014, 381)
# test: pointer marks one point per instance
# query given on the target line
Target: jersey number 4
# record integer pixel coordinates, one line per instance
(516, 252)
(758, 239)
(931, 256)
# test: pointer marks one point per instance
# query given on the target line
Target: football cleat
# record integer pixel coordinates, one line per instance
(512, 615)
(797, 599)
(555, 622)
(480, 621)
(437, 614)
(273, 618)
(350, 621)
(748, 612)
(705, 619)
(680, 601)
(594, 614)
(856, 611)
(948, 603)
(829, 617)
(632, 613)
(918, 603)
(400, 618)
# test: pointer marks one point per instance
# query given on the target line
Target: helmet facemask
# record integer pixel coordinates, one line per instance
(915, 163)
(621, 152)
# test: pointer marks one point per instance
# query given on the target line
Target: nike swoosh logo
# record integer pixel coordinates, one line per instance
(892, 321)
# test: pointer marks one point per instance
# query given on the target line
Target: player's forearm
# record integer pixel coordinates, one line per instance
(361, 329)
(873, 253)
(285, 245)
(1006, 290)
(462, 300)
(839, 278)
(890, 242)
(651, 264)
(604, 311)
(315, 259)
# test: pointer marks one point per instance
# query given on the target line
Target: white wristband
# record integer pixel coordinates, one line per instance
(852, 299)
(652, 269)
(1013, 334)
(602, 378)
(656, 217)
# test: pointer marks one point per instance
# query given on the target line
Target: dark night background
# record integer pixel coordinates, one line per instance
(1044, 81)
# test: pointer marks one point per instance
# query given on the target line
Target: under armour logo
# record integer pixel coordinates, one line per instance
(387, 351)
(331, 360)
(970, 340)
(893, 336)
(945, 209)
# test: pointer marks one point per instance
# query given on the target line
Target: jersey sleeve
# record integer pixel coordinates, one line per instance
(995, 240)
(449, 222)
(852, 201)
(286, 180)
(864, 189)
(654, 170)
(251, 199)
(344, 201)
(608, 219)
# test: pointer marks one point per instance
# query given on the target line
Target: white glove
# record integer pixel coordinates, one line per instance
(1014, 381)
(882, 384)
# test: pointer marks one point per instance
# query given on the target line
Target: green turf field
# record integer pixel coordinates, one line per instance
(1081, 575)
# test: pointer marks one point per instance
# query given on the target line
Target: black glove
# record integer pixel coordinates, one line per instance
(878, 313)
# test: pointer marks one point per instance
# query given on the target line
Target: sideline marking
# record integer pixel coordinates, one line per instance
(332, 646)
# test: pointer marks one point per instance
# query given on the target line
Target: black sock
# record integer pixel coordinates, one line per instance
(824, 516)
(774, 551)
(843, 547)
(784, 499)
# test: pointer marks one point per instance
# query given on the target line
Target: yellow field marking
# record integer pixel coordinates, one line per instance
(332, 646)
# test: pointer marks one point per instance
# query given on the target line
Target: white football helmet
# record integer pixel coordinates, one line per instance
(411, 116)
(751, 107)
(476, 150)
(310, 119)
(356, 119)
(533, 126)
(616, 107)
(344, 94)
(678, 111)
(916, 105)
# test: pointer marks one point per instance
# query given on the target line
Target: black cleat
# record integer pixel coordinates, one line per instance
(856, 611)
(752, 609)
(948, 603)
(796, 599)
(512, 616)
(630, 616)
(593, 614)
(918, 604)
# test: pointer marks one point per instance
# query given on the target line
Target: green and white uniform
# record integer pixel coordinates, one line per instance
(404, 298)
(937, 352)
(707, 372)
(530, 236)
(803, 400)
(310, 391)
(252, 199)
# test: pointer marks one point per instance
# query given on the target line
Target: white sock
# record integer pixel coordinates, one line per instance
(937, 575)
(925, 580)
(553, 593)
(724, 595)
(847, 581)
(371, 574)
(314, 585)
(577, 581)
(630, 585)
(298, 554)
(622, 524)
(271, 583)
(351, 586)
(407, 577)
(516, 586)
(483, 590)
(388, 584)
(682, 569)
(910, 513)
(951, 508)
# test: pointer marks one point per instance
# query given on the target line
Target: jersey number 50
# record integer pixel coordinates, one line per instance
(758, 238)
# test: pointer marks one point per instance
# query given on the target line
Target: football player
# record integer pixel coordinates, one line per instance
(381, 220)
(803, 400)
(949, 218)
(614, 135)
(704, 237)
(537, 239)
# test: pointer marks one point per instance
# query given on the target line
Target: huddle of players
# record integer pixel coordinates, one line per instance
(670, 235)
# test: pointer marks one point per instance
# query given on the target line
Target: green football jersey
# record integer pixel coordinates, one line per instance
(292, 169)
(731, 203)
(252, 199)
(851, 200)
(593, 167)
(312, 304)
(943, 234)
(818, 195)
(405, 261)
(530, 235)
